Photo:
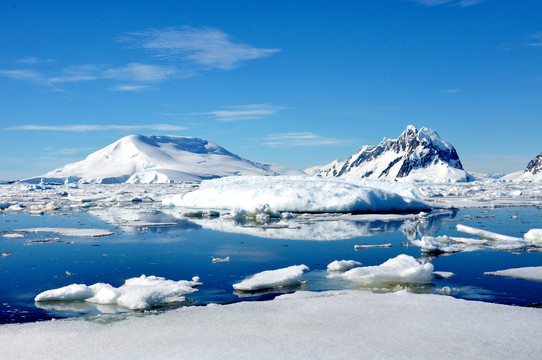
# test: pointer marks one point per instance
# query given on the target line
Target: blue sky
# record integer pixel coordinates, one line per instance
(299, 83)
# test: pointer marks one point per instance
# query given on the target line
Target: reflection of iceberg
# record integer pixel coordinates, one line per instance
(324, 227)
(134, 218)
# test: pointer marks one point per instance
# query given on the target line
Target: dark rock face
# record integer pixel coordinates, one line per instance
(535, 165)
(414, 149)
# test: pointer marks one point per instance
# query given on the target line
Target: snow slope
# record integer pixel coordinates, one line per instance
(160, 159)
(417, 155)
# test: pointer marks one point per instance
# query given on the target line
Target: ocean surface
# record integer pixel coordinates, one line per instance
(180, 247)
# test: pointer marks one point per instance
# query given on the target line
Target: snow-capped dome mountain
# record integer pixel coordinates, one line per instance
(160, 159)
(533, 171)
(417, 155)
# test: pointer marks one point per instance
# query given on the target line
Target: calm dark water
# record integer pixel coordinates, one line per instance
(186, 250)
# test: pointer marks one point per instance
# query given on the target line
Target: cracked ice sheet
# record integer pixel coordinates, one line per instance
(304, 325)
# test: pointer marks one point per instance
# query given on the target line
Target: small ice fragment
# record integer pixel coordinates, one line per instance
(443, 274)
(343, 265)
(368, 246)
(6, 254)
(221, 260)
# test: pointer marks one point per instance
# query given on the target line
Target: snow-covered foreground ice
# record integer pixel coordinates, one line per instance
(304, 325)
(290, 276)
(526, 273)
(401, 269)
(138, 293)
(295, 194)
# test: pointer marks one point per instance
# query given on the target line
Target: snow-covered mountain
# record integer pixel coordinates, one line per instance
(160, 159)
(533, 171)
(417, 155)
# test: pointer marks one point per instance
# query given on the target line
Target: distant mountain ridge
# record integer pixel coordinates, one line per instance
(533, 171)
(416, 155)
(160, 159)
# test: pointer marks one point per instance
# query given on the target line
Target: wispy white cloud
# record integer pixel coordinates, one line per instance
(25, 74)
(130, 87)
(450, 91)
(243, 112)
(66, 151)
(87, 128)
(205, 47)
(131, 72)
(34, 60)
(300, 139)
(461, 3)
(535, 39)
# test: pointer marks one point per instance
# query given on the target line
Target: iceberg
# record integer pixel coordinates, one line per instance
(525, 273)
(293, 194)
(343, 265)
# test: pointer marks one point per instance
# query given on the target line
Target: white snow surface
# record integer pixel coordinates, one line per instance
(294, 194)
(159, 159)
(137, 293)
(303, 325)
(525, 273)
(290, 276)
(343, 265)
(400, 269)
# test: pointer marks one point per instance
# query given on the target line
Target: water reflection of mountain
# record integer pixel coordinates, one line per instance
(325, 227)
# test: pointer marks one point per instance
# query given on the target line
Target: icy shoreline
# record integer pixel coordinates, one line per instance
(303, 325)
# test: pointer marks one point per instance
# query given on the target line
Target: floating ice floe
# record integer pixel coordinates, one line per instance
(290, 276)
(526, 273)
(137, 293)
(369, 246)
(484, 234)
(69, 231)
(448, 244)
(221, 260)
(401, 269)
(13, 235)
(443, 274)
(343, 265)
(293, 194)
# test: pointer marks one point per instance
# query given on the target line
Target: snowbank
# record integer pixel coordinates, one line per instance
(326, 325)
(139, 293)
(290, 276)
(294, 194)
(401, 269)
